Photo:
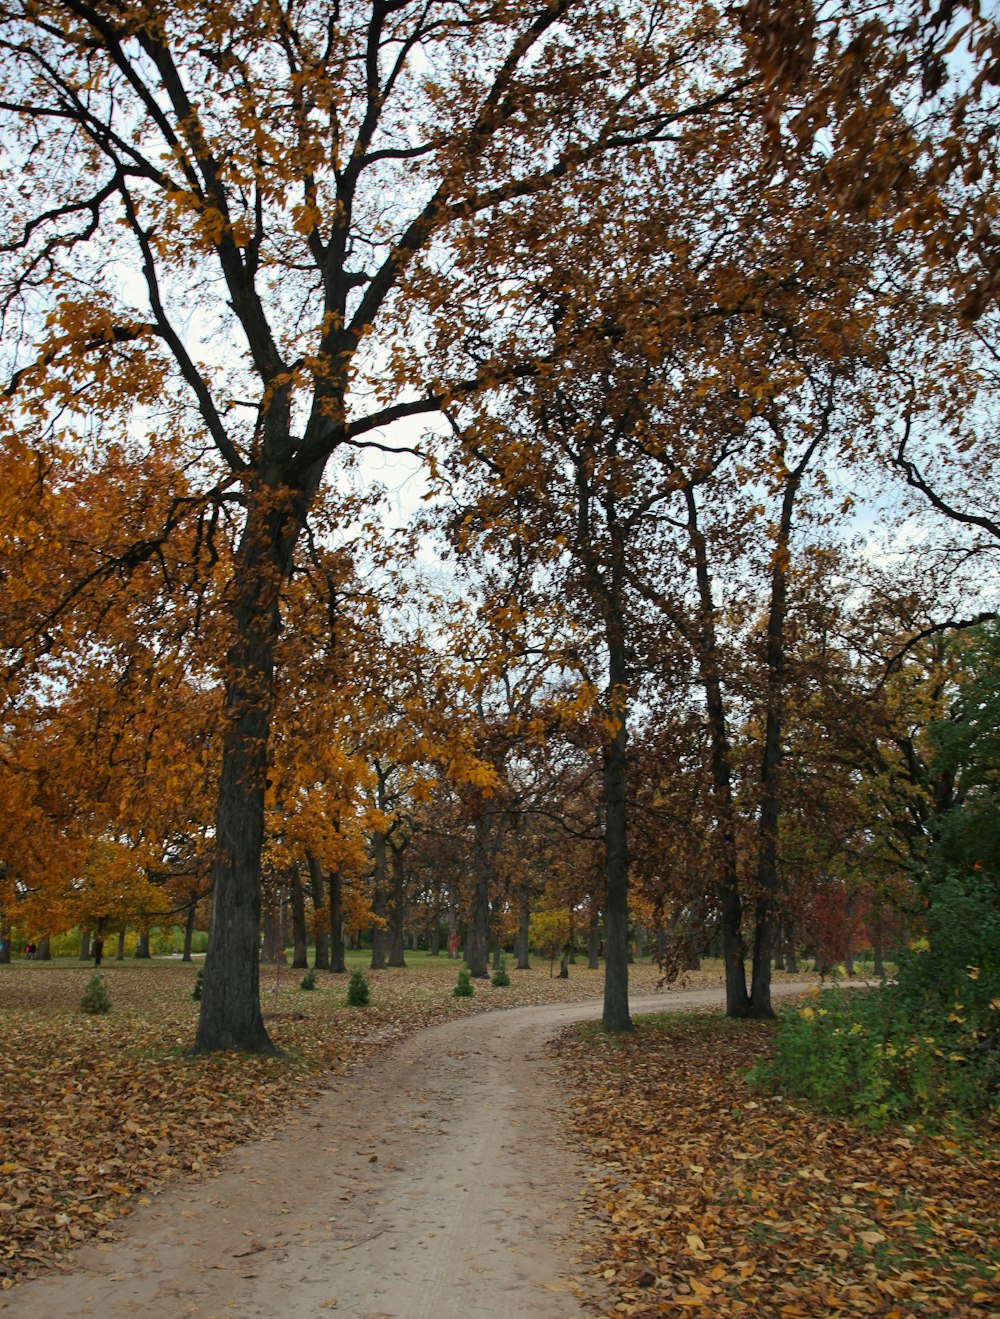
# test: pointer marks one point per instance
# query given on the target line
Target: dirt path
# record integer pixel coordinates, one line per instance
(430, 1185)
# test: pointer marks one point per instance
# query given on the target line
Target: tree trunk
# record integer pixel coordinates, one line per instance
(614, 792)
(334, 887)
(5, 942)
(564, 963)
(272, 952)
(142, 952)
(397, 913)
(770, 806)
(435, 941)
(320, 920)
(724, 834)
(478, 934)
(230, 1015)
(791, 961)
(84, 945)
(192, 913)
(44, 953)
(300, 938)
(97, 949)
(120, 954)
(594, 937)
(523, 925)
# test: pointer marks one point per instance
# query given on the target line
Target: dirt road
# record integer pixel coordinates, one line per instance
(432, 1184)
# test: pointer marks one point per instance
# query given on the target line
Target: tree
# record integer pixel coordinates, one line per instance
(287, 179)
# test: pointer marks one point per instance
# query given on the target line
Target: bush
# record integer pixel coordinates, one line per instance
(358, 992)
(308, 981)
(500, 976)
(196, 992)
(95, 997)
(926, 1046)
(463, 989)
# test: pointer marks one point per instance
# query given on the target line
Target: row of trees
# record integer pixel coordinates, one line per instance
(689, 287)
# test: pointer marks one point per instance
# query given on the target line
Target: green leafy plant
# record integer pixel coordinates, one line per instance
(96, 998)
(500, 976)
(358, 992)
(463, 988)
(308, 981)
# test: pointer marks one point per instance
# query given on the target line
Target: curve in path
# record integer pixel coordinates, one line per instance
(431, 1185)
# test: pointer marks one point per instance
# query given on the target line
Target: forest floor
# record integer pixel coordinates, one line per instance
(469, 1168)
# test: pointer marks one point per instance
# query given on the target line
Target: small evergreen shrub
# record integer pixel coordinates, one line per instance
(463, 989)
(308, 981)
(500, 976)
(358, 992)
(95, 997)
(196, 992)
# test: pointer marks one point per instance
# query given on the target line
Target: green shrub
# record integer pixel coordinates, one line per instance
(463, 989)
(308, 981)
(500, 976)
(358, 992)
(95, 997)
(926, 1046)
(199, 978)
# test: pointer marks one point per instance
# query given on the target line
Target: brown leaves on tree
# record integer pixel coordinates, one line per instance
(712, 1199)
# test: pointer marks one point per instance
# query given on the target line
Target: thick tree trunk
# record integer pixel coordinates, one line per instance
(300, 936)
(44, 953)
(120, 954)
(478, 934)
(523, 926)
(321, 920)
(84, 945)
(5, 943)
(142, 952)
(230, 1004)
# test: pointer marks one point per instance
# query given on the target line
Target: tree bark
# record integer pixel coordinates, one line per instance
(397, 913)
(300, 938)
(84, 945)
(189, 921)
(120, 954)
(338, 965)
(230, 1015)
(321, 933)
(44, 953)
(379, 902)
(142, 952)
(523, 926)
(273, 946)
(594, 938)
(478, 934)
(616, 1016)
(770, 806)
(709, 669)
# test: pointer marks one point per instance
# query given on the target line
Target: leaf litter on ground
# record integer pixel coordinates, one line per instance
(708, 1198)
(98, 1112)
